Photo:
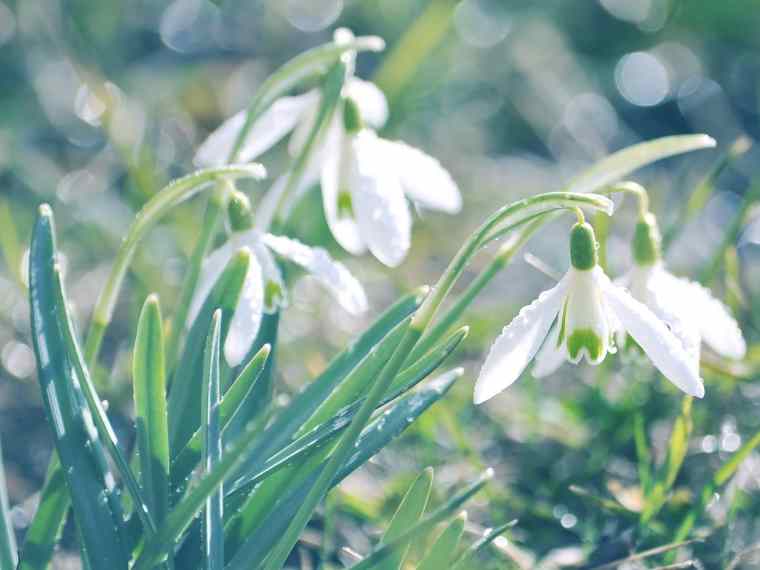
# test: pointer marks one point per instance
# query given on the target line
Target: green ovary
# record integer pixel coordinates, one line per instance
(588, 339)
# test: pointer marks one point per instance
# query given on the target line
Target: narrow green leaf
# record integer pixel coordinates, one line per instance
(212, 446)
(441, 553)
(623, 162)
(189, 457)
(185, 391)
(303, 405)
(91, 484)
(426, 524)
(149, 379)
(467, 558)
(379, 433)
(8, 551)
(409, 511)
(264, 497)
(47, 523)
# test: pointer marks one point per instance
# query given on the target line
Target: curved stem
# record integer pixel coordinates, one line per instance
(634, 188)
(166, 199)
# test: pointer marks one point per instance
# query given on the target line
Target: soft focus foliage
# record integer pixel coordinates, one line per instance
(103, 103)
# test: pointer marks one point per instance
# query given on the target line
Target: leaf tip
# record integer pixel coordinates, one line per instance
(45, 211)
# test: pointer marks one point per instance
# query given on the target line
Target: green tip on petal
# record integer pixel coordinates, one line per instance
(646, 241)
(345, 205)
(239, 209)
(352, 117)
(584, 338)
(583, 246)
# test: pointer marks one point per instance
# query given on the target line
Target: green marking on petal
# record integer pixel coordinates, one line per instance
(345, 205)
(562, 325)
(352, 118)
(272, 294)
(584, 338)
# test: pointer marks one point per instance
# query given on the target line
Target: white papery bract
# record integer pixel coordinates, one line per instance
(291, 114)
(688, 308)
(586, 309)
(263, 288)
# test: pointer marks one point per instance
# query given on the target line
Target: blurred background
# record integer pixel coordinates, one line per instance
(102, 103)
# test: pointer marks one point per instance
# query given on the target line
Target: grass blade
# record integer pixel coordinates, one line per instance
(212, 447)
(426, 524)
(410, 511)
(467, 558)
(379, 433)
(47, 523)
(184, 411)
(441, 553)
(623, 162)
(149, 379)
(189, 457)
(8, 551)
(97, 508)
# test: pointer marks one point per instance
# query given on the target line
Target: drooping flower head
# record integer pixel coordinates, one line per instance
(689, 309)
(263, 287)
(584, 311)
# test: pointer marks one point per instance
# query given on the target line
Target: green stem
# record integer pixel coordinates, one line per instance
(166, 199)
(211, 217)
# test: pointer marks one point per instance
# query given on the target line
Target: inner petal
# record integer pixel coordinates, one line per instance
(587, 328)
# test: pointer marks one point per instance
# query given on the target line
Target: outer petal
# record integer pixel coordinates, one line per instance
(381, 209)
(332, 274)
(247, 318)
(661, 346)
(275, 294)
(717, 327)
(518, 343)
(269, 128)
(370, 99)
(551, 356)
(423, 178)
(334, 174)
(212, 268)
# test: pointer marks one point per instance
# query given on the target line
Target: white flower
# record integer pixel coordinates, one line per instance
(688, 308)
(294, 114)
(366, 181)
(263, 288)
(588, 310)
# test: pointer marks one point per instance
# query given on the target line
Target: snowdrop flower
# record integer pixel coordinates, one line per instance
(263, 288)
(687, 307)
(292, 114)
(366, 181)
(587, 309)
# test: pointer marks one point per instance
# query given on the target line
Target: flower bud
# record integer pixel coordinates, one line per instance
(583, 246)
(646, 240)
(239, 210)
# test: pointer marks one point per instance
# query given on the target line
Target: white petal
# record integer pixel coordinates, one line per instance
(587, 312)
(718, 328)
(215, 150)
(551, 356)
(661, 346)
(334, 175)
(304, 126)
(381, 209)
(518, 343)
(212, 268)
(332, 274)
(371, 101)
(273, 124)
(274, 285)
(423, 178)
(247, 318)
